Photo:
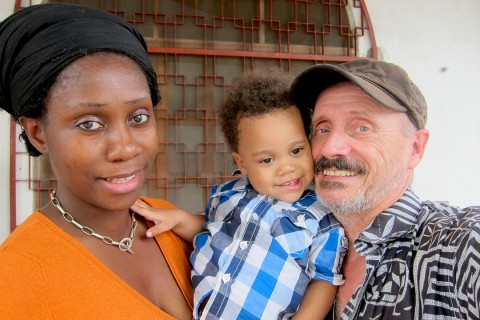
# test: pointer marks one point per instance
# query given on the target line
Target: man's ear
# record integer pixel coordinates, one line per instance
(240, 163)
(418, 147)
(34, 128)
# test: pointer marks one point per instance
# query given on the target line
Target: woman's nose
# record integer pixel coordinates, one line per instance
(122, 144)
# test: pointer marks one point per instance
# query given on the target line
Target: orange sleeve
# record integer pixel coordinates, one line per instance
(22, 284)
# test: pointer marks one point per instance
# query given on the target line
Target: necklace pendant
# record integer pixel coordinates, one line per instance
(125, 244)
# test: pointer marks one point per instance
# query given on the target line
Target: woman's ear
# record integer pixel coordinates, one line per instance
(240, 163)
(34, 128)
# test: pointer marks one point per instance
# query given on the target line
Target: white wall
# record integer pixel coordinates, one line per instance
(6, 7)
(425, 37)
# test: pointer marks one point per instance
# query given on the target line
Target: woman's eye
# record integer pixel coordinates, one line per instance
(90, 125)
(140, 119)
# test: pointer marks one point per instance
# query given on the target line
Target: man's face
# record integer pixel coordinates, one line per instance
(364, 152)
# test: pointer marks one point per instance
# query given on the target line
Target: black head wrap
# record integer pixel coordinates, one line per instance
(38, 42)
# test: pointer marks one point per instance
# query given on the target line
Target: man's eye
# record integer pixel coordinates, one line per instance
(363, 129)
(140, 118)
(90, 125)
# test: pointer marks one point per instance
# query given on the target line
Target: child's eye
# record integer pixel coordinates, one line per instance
(140, 118)
(266, 160)
(297, 150)
(90, 125)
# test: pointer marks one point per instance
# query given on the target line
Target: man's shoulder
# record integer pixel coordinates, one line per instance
(441, 215)
(443, 225)
(448, 251)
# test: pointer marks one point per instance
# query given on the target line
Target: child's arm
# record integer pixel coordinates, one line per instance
(184, 224)
(317, 301)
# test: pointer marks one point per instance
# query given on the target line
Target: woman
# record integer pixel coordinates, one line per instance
(79, 82)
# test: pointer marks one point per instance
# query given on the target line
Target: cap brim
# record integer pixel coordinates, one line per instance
(312, 81)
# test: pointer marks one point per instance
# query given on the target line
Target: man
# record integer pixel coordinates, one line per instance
(407, 258)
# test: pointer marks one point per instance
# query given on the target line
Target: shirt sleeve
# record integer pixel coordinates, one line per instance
(467, 243)
(327, 252)
(22, 293)
(204, 271)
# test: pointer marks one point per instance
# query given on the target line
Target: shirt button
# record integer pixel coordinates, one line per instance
(226, 277)
(301, 218)
(243, 245)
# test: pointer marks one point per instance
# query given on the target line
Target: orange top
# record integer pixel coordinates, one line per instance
(47, 274)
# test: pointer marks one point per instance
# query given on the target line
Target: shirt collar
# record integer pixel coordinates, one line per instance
(396, 222)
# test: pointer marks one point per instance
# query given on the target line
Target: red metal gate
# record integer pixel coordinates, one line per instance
(197, 48)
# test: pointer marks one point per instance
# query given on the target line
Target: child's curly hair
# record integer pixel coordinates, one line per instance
(253, 94)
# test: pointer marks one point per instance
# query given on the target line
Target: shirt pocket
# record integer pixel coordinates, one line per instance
(294, 239)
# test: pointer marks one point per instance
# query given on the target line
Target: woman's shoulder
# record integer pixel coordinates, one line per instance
(171, 243)
(157, 203)
(39, 242)
(31, 231)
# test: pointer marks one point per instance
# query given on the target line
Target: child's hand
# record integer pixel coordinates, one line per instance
(164, 219)
(184, 224)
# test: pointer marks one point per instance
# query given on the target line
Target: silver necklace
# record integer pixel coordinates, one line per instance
(123, 245)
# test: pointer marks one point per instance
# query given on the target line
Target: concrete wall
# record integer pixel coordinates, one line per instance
(438, 43)
(6, 8)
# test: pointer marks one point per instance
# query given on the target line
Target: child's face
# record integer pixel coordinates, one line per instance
(274, 152)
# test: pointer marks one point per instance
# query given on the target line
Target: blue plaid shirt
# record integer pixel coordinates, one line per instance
(258, 254)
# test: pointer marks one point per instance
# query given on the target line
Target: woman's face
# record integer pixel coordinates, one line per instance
(99, 132)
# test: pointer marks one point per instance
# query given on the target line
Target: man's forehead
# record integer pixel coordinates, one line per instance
(348, 99)
(344, 94)
(342, 88)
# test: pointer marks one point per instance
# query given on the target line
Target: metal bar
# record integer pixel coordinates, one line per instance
(13, 176)
(370, 29)
(246, 54)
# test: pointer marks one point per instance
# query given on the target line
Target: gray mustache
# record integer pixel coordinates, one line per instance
(339, 164)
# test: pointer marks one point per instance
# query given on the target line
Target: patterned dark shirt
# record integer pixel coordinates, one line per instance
(423, 262)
